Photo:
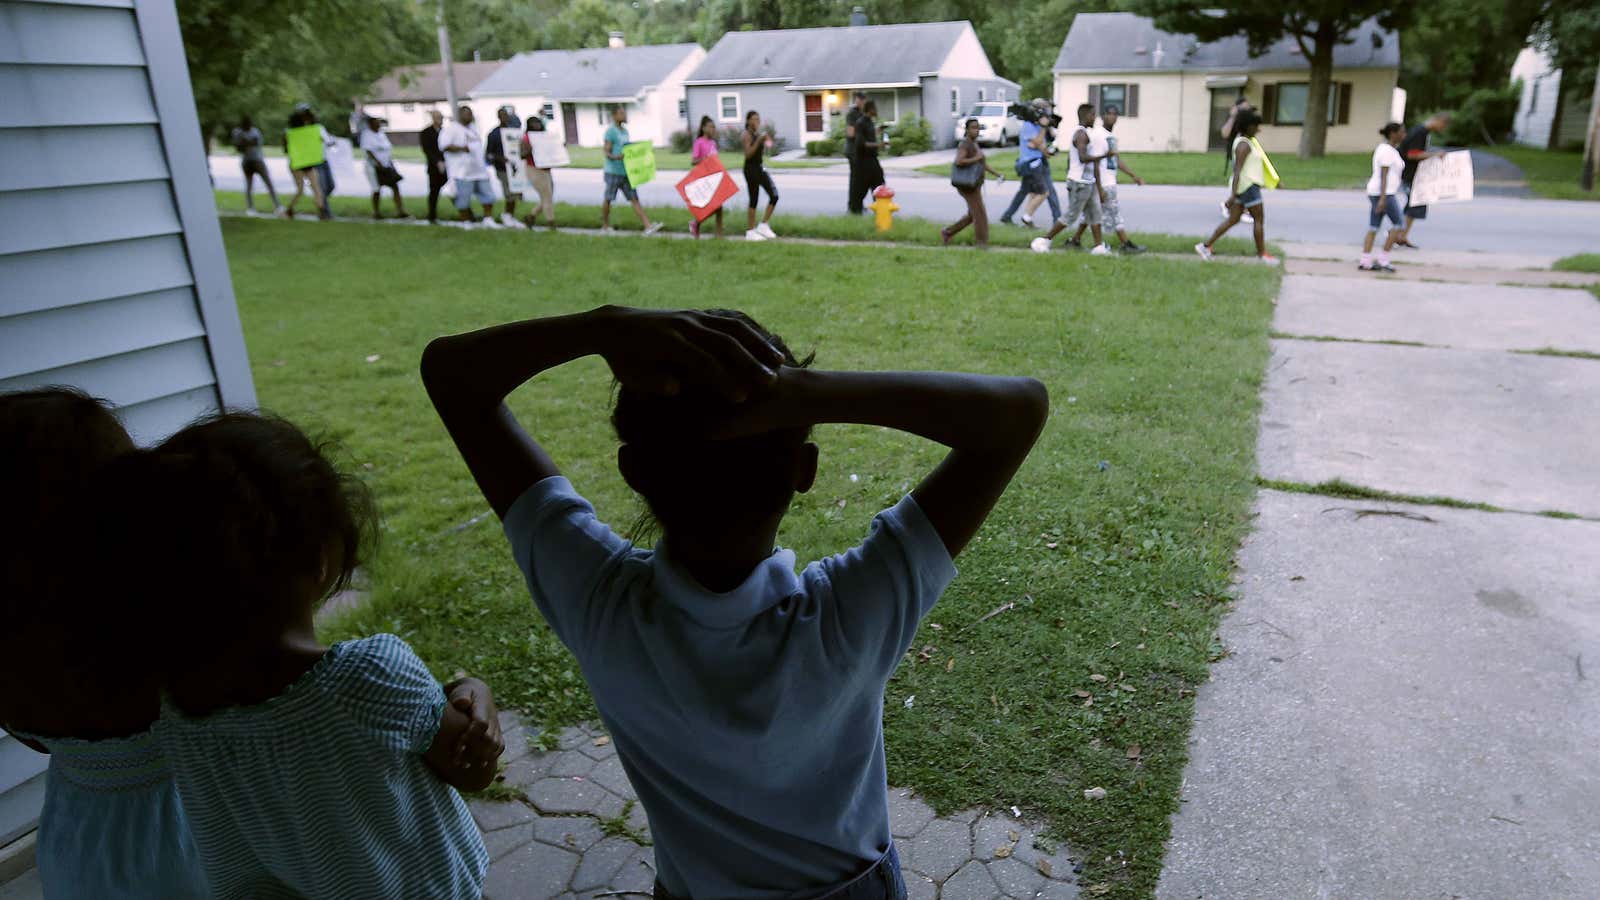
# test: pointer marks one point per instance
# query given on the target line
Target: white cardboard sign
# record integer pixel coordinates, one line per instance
(548, 150)
(1444, 179)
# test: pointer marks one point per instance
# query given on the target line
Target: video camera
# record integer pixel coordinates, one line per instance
(1036, 115)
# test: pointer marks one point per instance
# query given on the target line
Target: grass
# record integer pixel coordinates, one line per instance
(1580, 262)
(1334, 171)
(1116, 539)
(907, 230)
(1327, 338)
(1338, 487)
(1552, 174)
(1556, 351)
(594, 158)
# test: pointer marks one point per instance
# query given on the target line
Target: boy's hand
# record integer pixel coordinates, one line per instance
(480, 744)
(657, 351)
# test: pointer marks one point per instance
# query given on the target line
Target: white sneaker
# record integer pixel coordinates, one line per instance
(281, 213)
(608, 230)
(508, 220)
(251, 212)
(754, 234)
(1203, 250)
(1039, 245)
(490, 223)
(1100, 250)
(1247, 218)
(766, 231)
(654, 227)
(1225, 209)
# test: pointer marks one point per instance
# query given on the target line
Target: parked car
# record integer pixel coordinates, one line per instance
(995, 125)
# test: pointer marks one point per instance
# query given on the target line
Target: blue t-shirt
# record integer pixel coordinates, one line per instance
(1024, 151)
(750, 723)
(616, 138)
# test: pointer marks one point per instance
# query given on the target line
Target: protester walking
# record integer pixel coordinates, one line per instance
(246, 138)
(1085, 195)
(1382, 201)
(1252, 171)
(705, 145)
(381, 172)
(463, 157)
(868, 143)
(495, 152)
(966, 176)
(1413, 150)
(539, 177)
(1228, 131)
(851, 118)
(1033, 168)
(305, 142)
(757, 178)
(1104, 143)
(616, 174)
(434, 158)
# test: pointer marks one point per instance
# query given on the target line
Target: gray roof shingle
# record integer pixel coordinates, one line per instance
(831, 57)
(1111, 42)
(425, 82)
(601, 73)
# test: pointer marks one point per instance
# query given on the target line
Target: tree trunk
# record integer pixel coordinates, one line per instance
(1314, 133)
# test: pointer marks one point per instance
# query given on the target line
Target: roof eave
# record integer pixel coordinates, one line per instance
(717, 82)
(851, 86)
(1209, 69)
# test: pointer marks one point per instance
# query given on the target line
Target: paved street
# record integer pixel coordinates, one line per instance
(1546, 227)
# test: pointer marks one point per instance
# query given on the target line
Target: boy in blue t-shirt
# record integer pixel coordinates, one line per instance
(745, 701)
(616, 173)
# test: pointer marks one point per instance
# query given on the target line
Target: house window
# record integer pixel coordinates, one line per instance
(683, 107)
(999, 94)
(1285, 103)
(412, 107)
(548, 112)
(955, 101)
(980, 95)
(814, 120)
(1125, 97)
(1533, 104)
(728, 107)
(601, 113)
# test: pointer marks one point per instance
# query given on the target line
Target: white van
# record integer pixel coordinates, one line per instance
(995, 125)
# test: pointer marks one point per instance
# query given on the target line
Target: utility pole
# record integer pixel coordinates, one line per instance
(446, 57)
(1591, 143)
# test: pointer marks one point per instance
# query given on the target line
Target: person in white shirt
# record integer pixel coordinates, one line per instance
(1383, 199)
(1103, 142)
(381, 172)
(463, 162)
(1084, 192)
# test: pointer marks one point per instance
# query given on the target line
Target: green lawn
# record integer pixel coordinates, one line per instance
(1115, 542)
(1334, 171)
(1552, 174)
(593, 158)
(907, 230)
(1581, 262)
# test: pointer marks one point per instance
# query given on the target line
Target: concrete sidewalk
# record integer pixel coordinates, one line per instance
(1409, 706)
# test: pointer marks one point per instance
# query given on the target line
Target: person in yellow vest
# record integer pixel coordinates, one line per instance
(1252, 172)
(305, 141)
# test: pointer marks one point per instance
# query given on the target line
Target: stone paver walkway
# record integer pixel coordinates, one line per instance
(579, 832)
(1409, 707)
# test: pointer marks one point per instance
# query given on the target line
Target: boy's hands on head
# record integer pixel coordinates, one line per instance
(659, 351)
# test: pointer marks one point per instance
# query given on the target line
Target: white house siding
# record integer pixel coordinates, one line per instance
(111, 259)
(407, 121)
(1541, 92)
(967, 59)
(936, 96)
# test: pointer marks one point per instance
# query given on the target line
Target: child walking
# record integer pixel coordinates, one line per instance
(745, 701)
(1252, 172)
(705, 144)
(111, 826)
(757, 178)
(304, 770)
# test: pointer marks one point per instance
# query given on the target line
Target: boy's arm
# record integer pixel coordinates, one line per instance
(462, 772)
(468, 376)
(989, 423)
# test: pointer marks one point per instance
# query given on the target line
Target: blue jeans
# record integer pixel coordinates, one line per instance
(1035, 180)
(881, 882)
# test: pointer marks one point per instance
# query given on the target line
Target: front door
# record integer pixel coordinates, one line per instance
(1222, 100)
(815, 120)
(569, 123)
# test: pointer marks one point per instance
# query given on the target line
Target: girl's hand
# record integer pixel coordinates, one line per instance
(480, 744)
(658, 351)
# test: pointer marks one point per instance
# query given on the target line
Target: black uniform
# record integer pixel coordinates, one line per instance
(429, 138)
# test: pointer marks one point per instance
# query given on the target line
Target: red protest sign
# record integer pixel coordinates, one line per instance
(706, 187)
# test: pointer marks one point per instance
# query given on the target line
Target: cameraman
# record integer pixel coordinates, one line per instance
(1033, 168)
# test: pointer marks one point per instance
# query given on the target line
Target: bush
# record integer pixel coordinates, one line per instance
(681, 141)
(731, 137)
(1485, 116)
(833, 144)
(912, 134)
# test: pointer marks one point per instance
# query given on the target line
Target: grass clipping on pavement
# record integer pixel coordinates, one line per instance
(1110, 554)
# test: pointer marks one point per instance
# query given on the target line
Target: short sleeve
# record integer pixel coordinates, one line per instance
(387, 689)
(563, 549)
(883, 587)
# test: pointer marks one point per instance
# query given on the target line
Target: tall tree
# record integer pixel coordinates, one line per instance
(1456, 47)
(1318, 26)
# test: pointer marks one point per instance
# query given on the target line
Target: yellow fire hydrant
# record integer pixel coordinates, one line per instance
(883, 208)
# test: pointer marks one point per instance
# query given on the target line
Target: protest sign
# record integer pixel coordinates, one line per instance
(639, 158)
(548, 150)
(706, 187)
(305, 146)
(1443, 179)
(516, 169)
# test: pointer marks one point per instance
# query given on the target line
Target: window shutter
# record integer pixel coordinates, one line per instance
(1345, 89)
(1133, 100)
(1269, 103)
(1094, 96)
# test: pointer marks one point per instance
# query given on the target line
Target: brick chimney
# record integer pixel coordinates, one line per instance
(617, 40)
(858, 16)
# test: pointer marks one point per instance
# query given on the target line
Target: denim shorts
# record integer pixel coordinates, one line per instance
(881, 882)
(467, 188)
(616, 183)
(1376, 215)
(1250, 196)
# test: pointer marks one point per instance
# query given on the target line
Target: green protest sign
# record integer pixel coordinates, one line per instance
(305, 146)
(639, 158)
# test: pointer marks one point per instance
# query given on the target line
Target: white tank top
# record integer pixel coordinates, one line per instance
(1077, 169)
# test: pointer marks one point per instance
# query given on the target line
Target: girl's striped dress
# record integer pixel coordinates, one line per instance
(112, 826)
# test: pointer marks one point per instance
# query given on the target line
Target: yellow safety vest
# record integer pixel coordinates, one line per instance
(1257, 167)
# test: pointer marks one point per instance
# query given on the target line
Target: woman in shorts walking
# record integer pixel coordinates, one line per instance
(1383, 199)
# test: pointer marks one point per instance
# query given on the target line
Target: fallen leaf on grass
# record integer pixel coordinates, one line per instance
(1052, 545)
(1097, 677)
(1129, 688)
(935, 626)
(1089, 702)
(1170, 603)
(1094, 793)
(1133, 751)
(1002, 852)
(1100, 889)
(1082, 694)
(1045, 867)
(374, 358)
(1013, 837)
(950, 664)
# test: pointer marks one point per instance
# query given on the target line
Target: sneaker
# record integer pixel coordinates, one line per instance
(1132, 249)
(608, 230)
(1100, 250)
(1383, 267)
(1005, 221)
(1039, 245)
(251, 212)
(1268, 258)
(1225, 209)
(754, 235)
(1366, 267)
(1247, 218)
(944, 237)
(766, 231)
(654, 227)
(1203, 250)
(278, 211)
(490, 223)
(508, 220)
(1027, 222)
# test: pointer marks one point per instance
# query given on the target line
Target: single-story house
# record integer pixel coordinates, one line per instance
(115, 276)
(407, 95)
(1175, 90)
(801, 79)
(1550, 114)
(574, 90)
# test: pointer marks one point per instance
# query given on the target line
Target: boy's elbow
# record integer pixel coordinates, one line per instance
(438, 362)
(1034, 400)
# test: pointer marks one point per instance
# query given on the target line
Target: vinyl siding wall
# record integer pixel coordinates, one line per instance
(111, 260)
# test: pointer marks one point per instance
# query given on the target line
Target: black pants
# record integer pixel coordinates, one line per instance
(856, 190)
(436, 182)
(868, 175)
